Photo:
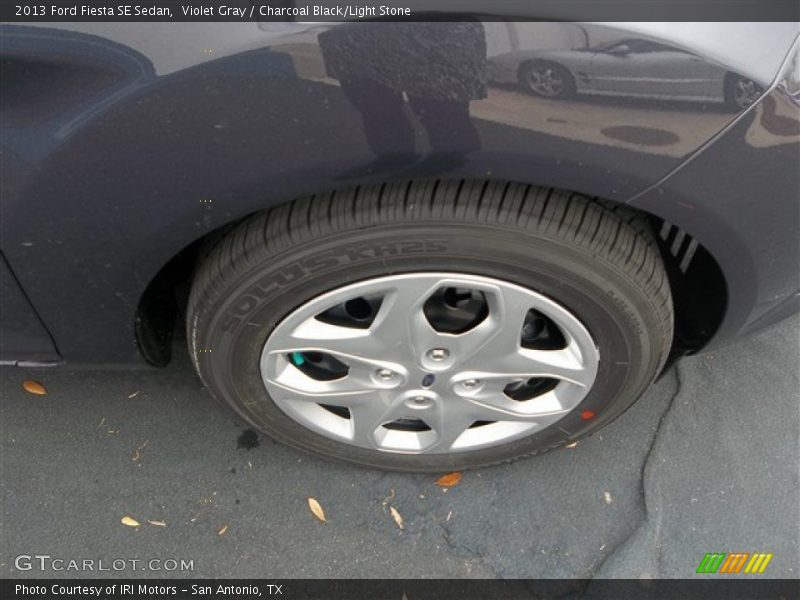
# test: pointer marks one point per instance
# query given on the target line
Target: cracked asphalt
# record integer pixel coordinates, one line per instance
(706, 461)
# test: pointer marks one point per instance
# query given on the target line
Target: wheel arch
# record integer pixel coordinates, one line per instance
(696, 280)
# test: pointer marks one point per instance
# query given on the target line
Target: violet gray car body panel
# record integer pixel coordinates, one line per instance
(123, 145)
(23, 335)
(748, 213)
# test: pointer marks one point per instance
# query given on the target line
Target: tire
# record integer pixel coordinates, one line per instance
(740, 92)
(598, 263)
(560, 75)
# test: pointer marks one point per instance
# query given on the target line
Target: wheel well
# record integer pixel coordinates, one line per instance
(698, 290)
(162, 307)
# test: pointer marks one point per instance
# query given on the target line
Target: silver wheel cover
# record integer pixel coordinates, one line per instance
(401, 369)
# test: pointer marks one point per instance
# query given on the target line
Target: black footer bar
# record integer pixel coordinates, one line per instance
(398, 589)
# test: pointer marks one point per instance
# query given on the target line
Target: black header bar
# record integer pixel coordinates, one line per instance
(410, 10)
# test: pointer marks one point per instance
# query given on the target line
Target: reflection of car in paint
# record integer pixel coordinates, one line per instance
(630, 67)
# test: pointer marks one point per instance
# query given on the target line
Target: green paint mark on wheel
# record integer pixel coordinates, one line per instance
(297, 358)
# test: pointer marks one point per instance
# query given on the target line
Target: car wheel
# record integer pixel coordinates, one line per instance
(548, 80)
(741, 92)
(431, 326)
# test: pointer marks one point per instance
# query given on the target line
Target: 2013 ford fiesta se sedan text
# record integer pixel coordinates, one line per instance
(409, 245)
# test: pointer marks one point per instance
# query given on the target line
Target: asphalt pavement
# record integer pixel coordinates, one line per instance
(706, 461)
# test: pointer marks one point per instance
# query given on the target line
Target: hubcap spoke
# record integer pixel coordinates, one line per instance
(492, 403)
(503, 409)
(450, 425)
(400, 325)
(559, 364)
(314, 335)
(302, 387)
(504, 356)
(366, 419)
(360, 379)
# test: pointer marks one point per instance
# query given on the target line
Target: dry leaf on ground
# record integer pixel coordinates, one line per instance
(388, 498)
(129, 521)
(607, 497)
(157, 523)
(449, 480)
(572, 445)
(223, 530)
(317, 510)
(34, 387)
(396, 516)
(138, 453)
